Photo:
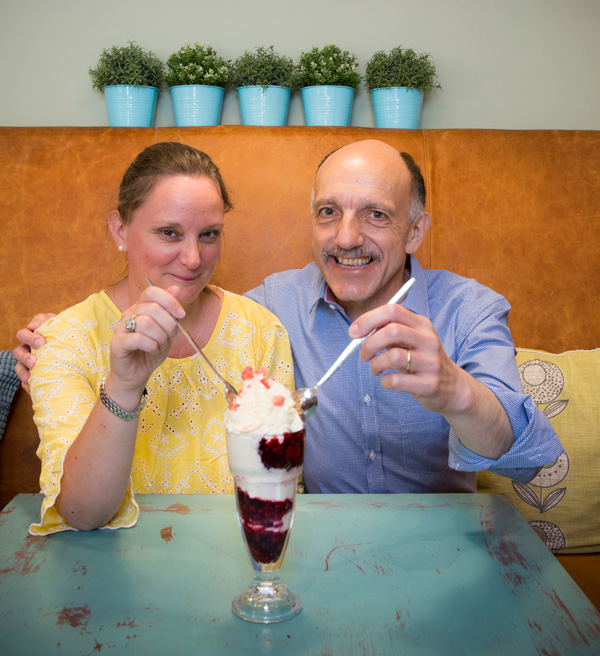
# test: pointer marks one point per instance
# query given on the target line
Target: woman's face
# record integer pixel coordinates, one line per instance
(174, 237)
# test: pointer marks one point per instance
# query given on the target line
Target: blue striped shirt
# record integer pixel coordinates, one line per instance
(364, 438)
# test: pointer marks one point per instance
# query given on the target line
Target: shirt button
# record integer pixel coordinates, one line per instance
(367, 399)
(372, 455)
(331, 306)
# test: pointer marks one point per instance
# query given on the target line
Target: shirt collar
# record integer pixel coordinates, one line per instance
(321, 291)
(417, 299)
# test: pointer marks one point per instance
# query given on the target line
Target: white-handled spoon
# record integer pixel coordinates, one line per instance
(306, 397)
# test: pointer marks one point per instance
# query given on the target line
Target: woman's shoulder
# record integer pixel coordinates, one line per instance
(77, 340)
(96, 312)
(246, 307)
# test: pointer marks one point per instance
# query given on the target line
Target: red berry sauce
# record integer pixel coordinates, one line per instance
(262, 523)
(283, 455)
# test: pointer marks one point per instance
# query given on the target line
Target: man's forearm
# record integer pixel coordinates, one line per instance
(480, 421)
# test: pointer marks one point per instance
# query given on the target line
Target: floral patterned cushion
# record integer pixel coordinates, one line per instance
(562, 503)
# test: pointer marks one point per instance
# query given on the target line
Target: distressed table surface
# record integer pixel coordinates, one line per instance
(378, 574)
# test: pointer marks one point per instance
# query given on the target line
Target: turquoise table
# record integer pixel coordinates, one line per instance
(395, 574)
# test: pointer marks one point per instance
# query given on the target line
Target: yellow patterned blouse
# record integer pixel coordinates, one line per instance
(180, 446)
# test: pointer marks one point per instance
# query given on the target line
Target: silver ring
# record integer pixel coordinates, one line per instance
(408, 361)
(130, 324)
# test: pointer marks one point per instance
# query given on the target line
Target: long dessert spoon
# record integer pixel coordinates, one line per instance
(230, 391)
(306, 397)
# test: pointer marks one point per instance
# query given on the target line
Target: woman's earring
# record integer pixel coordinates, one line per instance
(121, 248)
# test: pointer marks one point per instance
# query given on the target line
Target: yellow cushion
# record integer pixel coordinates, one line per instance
(562, 503)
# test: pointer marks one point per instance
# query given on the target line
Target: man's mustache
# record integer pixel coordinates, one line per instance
(351, 254)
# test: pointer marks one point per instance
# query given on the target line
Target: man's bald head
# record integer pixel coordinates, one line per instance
(381, 151)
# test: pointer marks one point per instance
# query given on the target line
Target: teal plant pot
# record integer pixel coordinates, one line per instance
(327, 105)
(268, 106)
(397, 107)
(130, 106)
(197, 104)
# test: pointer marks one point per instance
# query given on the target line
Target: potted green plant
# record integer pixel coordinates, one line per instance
(327, 78)
(264, 81)
(197, 77)
(398, 81)
(130, 78)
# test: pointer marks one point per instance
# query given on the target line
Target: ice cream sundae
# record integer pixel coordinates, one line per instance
(265, 447)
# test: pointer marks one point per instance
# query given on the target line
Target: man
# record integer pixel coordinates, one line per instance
(435, 394)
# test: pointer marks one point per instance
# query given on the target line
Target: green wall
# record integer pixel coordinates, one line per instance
(519, 64)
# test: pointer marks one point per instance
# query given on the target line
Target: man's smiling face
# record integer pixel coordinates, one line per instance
(361, 231)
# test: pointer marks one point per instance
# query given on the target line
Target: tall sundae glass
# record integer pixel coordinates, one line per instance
(265, 448)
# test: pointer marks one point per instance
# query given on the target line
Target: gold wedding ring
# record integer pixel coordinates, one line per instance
(408, 360)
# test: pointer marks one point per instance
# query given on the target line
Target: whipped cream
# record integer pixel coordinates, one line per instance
(265, 438)
(264, 407)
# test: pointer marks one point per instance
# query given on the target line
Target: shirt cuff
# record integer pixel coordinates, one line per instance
(536, 446)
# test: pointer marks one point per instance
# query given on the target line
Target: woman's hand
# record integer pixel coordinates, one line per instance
(135, 354)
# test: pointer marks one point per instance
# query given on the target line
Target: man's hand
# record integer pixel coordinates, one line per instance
(406, 345)
(432, 378)
(28, 340)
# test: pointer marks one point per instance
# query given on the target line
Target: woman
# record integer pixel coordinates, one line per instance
(122, 404)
